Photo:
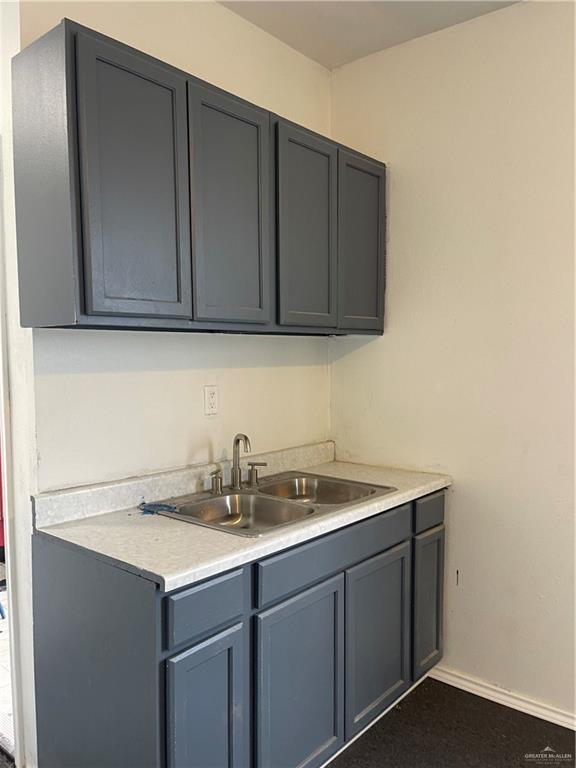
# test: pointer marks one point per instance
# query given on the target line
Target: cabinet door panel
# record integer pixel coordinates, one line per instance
(134, 176)
(230, 158)
(428, 600)
(307, 254)
(300, 693)
(377, 635)
(361, 242)
(208, 705)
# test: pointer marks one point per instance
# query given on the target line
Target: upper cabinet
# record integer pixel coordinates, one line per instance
(134, 183)
(146, 198)
(306, 234)
(361, 242)
(230, 175)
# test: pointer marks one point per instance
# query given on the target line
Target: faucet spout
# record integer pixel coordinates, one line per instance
(236, 471)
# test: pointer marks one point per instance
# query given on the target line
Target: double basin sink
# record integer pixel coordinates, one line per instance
(286, 499)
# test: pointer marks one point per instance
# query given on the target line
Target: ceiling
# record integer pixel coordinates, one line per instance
(337, 32)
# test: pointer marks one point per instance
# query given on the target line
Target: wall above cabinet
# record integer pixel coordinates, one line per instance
(148, 199)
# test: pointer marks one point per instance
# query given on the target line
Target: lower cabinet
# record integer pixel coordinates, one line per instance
(428, 600)
(275, 664)
(377, 635)
(300, 678)
(208, 705)
(326, 661)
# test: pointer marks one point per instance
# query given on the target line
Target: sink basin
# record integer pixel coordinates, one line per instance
(314, 489)
(282, 500)
(247, 514)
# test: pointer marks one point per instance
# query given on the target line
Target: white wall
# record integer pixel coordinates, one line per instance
(474, 374)
(111, 405)
(17, 422)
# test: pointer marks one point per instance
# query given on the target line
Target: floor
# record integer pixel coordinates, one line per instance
(438, 726)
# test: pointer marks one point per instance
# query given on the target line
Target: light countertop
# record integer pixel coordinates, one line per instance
(175, 553)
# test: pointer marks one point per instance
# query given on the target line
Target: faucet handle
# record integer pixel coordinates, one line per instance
(216, 481)
(253, 472)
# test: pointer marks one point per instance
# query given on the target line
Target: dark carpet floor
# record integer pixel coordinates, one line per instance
(439, 726)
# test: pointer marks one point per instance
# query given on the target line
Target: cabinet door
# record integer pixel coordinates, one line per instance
(428, 600)
(361, 242)
(230, 168)
(300, 688)
(377, 635)
(207, 703)
(306, 235)
(134, 176)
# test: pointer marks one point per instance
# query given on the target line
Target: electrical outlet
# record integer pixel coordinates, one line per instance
(210, 400)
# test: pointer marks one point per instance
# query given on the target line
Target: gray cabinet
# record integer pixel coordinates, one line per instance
(292, 571)
(428, 600)
(208, 709)
(361, 242)
(306, 227)
(230, 170)
(377, 635)
(148, 199)
(428, 512)
(300, 678)
(205, 608)
(276, 664)
(98, 694)
(134, 183)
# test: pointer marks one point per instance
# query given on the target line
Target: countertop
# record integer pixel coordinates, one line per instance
(174, 553)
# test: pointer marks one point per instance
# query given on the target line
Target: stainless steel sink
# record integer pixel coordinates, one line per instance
(314, 489)
(244, 513)
(282, 500)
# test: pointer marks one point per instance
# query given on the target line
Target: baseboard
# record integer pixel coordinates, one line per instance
(502, 696)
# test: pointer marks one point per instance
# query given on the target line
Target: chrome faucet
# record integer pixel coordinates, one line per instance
(236, 471)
